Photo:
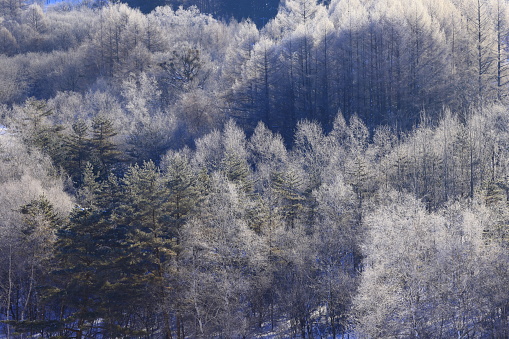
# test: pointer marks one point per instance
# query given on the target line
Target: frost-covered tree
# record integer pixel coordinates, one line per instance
(424, 273)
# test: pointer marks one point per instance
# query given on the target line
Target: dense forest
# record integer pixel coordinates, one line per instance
(259, 11)
(221, 169)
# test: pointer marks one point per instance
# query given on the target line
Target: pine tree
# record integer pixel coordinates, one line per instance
(90, 280)
(41, 133)
(237, 171)
(38, 235)
(288, 187)
(151, 240)
(78, 150)
(105, 151)
(184, 191)
(40, 224)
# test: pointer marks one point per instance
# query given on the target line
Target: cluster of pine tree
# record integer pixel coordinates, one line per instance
(171, 175)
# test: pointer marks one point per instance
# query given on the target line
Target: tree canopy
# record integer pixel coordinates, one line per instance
(339, 169)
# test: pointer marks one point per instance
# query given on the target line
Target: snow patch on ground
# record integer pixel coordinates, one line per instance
(284, 329)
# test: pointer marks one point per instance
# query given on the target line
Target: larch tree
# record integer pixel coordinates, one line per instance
(350, 20)
(323, 36)
(253, 96)
(221, 252)
(337, 251)
(481, 45)
(246, 35)
(302, 15)
(501, 19)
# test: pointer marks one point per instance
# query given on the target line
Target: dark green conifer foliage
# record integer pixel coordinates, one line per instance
(90, 279)
(39, 214)
(288, 187)
(237, 171)
(184, 191)
(40, 224)
(38, 235)
(78, 151)
(105, 151)
(494, 192)
(150, 238)
(258, 215)
(142, 210)
(38, 132)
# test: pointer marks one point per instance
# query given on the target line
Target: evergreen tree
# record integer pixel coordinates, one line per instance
(78, 150)
(184, 191)
(38, 236)
(105, 154)
(237, 171)
(288, 187)
(90, 278)
(154, 209)
(39, 132)
(40, 224)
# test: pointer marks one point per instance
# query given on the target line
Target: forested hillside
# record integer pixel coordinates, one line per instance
(341, 171)
(258, 11)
